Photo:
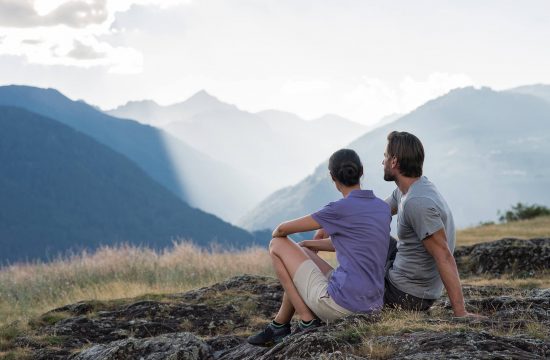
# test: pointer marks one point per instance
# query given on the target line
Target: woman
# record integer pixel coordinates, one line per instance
(357, 227)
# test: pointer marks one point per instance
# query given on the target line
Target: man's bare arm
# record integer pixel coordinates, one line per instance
(436, 245)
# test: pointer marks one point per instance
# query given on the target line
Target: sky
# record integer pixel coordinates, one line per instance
(359, 59)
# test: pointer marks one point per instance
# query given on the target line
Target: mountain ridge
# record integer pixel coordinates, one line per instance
(62, 190)
(168, 160)
(463, 152)
(257, 143)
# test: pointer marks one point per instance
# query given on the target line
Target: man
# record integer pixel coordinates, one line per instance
(422, 263)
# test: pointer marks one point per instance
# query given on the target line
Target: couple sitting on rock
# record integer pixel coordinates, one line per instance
(373, 271)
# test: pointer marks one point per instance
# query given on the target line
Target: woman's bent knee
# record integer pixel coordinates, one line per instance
(276, 244)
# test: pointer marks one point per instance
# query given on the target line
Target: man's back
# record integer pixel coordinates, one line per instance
(420, 212)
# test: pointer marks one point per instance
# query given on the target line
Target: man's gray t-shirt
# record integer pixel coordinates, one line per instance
(421, 212)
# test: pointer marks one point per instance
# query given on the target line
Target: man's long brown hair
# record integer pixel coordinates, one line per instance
(408, 151)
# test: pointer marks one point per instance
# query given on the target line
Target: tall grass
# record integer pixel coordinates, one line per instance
(27, 290)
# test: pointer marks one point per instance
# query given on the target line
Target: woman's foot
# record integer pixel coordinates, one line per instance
(306, 325)
(272, 334)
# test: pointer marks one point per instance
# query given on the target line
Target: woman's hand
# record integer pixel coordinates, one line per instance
(308, 245)
(277, 232)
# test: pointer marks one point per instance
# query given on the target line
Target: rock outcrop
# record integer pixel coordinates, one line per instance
(506, 256)
(213, 322)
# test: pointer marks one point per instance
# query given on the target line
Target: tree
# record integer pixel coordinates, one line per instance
(522, 212)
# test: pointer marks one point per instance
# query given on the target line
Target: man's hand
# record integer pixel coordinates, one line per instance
(470, 316)
(308, 245)
(320, 234)
(318, 245)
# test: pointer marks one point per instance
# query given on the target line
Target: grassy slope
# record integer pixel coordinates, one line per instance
(526, 229)
(28, 290)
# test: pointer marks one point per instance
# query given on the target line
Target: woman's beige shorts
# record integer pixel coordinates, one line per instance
(312, 285)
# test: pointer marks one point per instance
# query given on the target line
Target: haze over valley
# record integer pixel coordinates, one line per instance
(91, 178)
(149, 122)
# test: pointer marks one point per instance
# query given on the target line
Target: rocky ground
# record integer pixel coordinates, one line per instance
(213, 322)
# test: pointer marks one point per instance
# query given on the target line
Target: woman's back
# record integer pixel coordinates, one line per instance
(359, 227)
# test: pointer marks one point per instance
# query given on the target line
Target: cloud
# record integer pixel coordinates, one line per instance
(299, 87)
(53, 47)
(81, 51)
(32, 41)
(372, 98)
(68, 32)
(75, 14)
(415, 93)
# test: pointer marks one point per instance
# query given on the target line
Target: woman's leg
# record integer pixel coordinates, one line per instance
(286, 311)
(324, 266)
(287, 256)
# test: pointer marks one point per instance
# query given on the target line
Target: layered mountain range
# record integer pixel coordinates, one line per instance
(485, 150)
(73, 177)
(273, 148)
(194, 177)
(62, 190)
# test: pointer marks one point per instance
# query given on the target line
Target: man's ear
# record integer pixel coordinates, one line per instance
(394, 164)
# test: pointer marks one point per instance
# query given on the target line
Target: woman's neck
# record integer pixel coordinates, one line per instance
(345, 190)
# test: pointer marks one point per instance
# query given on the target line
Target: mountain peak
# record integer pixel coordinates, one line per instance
(202, 101)
(203, 95)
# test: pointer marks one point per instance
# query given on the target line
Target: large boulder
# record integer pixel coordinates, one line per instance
(178, 346)
(506, 256)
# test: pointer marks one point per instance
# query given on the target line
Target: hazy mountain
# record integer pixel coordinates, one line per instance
(62, 190)
(539, 90)
(191, 175)
(385, 120)
(264, 145)
(149, 112)
(485, 150)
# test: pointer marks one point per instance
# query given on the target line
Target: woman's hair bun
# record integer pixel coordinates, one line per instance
(345, 166)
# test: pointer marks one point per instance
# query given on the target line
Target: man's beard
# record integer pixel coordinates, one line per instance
(388, 176)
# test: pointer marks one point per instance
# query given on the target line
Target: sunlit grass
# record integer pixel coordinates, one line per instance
(27, 290)
(523, 229)
(539, 281)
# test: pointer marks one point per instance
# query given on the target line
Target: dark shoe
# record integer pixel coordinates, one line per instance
(315, 323)
(270, 335)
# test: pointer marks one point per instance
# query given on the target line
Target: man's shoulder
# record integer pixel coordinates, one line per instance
(416, 202)
(424, 189)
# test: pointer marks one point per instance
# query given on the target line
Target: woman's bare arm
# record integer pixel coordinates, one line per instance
(318, 245)
(306, 223)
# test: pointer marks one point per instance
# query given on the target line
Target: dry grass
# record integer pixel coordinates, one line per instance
(27, 290)
(524, 229)
(540, 281)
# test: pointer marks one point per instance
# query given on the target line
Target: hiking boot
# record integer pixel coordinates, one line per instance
(304, 326)
(271, 335)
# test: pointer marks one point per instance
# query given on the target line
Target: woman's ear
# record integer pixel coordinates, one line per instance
(337, 184)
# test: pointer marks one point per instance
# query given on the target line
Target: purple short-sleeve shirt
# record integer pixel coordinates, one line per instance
(359, 227)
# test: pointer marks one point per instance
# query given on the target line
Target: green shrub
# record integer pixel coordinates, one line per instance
(523, 212)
